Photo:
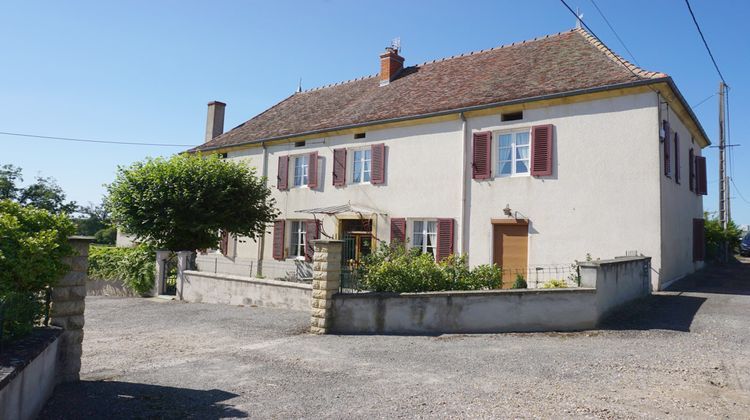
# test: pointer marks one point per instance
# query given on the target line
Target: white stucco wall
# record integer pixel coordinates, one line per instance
(603, 198)
(679, 205)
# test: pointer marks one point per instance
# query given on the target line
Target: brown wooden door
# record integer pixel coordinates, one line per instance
(510, 250)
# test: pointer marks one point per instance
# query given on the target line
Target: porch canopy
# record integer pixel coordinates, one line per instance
(342, 209)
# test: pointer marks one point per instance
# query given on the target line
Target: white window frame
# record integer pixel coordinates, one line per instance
(304, 177)
(496, 153)
(297, 239)
(350, 165)
(424, 234)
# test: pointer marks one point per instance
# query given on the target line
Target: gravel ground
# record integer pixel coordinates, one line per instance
(681, 354)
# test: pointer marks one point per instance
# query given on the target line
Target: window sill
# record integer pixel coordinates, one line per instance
(525, 175)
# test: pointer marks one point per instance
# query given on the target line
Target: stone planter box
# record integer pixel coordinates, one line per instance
(28, 374)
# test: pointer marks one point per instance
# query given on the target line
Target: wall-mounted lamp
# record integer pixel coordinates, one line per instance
(507, 211)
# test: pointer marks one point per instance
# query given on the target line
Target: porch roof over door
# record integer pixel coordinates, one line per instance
(342, 209)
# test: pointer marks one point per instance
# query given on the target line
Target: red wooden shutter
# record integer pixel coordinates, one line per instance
(224, 243)
(667, 136)
(541, 150)
(398, 230)
(444, 238)
(312, 232)
(691, 169)
(312, 171)
(339, 167)
(481, 155)
(282, 179)
(377, 176)
(676, 158)
(278, 240)
(700, 168)
(699, 240)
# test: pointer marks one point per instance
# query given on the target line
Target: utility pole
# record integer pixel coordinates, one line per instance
(723, 187)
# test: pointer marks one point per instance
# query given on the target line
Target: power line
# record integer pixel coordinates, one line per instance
(615, 32)
(737, 190)
(703, 101)
(132, 143)
(687, 2)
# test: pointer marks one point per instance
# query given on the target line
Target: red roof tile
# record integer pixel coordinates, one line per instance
(567, 62)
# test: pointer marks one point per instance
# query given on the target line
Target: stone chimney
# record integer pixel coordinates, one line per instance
(390, 65)
(215, 119)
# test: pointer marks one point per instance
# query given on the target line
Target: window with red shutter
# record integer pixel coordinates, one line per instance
(699, 240)
(312, 232)
(378, 164)
(398, 230)
(278, 240)
(667, 137)
(700, 169)
(691, 169)
(339, 167)
(676, 158)
(481, 155)
(541, 150)
(312, 171)
(444, 238)
(282, 178)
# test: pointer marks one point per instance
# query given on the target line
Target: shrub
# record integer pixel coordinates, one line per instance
(106, 236)
(555, 284)
(135, 267)
(520, 283)
(392, 268)
(715, 236)
(32, 244)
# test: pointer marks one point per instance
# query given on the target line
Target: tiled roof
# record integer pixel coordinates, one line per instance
(570, 61)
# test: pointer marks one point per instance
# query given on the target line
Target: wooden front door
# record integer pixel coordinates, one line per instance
(510, 249)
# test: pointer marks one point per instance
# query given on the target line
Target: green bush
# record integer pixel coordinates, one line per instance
(715, 236)
(395, 269)
(520, 283)
(135, 267)
(106, 236)
(554, 284)
(32, 245)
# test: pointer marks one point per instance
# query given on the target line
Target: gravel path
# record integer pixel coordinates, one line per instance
(680, 354)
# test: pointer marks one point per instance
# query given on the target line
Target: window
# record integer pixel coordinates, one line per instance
(425, 235)
(297, 239)
(300, 170)
(513, 153)
(511, 116)
(360, 135)
(299, 143)
(361, 160)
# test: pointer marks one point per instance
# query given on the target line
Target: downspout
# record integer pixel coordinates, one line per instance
(262, 239)
(463, 248)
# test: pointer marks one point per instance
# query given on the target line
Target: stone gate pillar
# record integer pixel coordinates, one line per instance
(184, 259)
(326, 283)
(67, 307)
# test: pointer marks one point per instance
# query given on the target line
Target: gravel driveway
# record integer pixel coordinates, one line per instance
(682, 354)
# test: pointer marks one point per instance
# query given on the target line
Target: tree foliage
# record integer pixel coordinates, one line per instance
(32, 244)
(715, 236)
(44, 193)
(135, 267)
(181, 203)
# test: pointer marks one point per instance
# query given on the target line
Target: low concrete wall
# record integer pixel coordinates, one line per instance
(605, 286)
(99, 287)
(199, 286)
(25, 389)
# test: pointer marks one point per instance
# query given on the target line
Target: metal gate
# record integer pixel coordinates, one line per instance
(169, 276)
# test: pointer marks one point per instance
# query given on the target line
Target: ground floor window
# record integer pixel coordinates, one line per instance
(424, 234)
(297, 239)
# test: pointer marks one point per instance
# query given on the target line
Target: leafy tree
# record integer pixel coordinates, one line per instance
(9, 174)
(181, 203)
(46, 194)
(715, 236)
(32, 246)
(106, 236)
(92, 219)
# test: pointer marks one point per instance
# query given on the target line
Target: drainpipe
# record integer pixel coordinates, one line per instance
(463, 244)
(262, 239)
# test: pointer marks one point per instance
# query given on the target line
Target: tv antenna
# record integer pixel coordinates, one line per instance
(396, 43)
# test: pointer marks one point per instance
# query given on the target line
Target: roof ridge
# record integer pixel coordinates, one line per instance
(598, 44)
(440, 60)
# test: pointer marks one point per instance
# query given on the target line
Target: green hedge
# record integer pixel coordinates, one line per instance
(395, 269)
(135, 267)
(32, 245)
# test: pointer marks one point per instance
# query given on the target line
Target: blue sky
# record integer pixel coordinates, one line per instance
(144, 70)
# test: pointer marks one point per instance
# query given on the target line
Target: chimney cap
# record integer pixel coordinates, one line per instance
(216, 103)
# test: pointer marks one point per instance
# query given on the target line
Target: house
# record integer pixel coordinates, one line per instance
(527, 155)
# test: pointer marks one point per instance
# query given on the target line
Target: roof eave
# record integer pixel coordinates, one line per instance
(635, 83)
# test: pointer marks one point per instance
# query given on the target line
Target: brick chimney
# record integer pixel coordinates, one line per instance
(215, 119)
(390, 65)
